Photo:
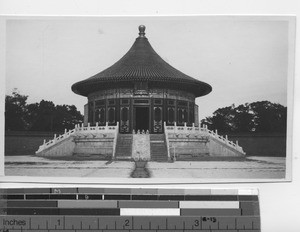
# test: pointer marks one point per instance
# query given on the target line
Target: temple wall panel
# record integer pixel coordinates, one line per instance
(159, 105)
(153, 93)
(85, 117)
(196, 112)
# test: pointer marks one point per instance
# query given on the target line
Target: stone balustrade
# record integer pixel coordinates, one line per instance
(79, 130)
(187, 131)
(141, 132)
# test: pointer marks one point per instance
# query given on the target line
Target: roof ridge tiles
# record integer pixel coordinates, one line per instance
(141, 62)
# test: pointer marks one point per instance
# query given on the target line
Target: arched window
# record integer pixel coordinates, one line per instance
(171, 117)
(185, 115)
(180, 116)
(111, 115)
(157, 124)
(91, 113)
(124, 114)
(124, 124)
(191, 116)
(157, 114)
(97, 115)
(101, 116)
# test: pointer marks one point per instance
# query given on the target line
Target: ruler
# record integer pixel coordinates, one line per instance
(129, 209)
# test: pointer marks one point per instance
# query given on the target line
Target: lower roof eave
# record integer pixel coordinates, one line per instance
(85, 88)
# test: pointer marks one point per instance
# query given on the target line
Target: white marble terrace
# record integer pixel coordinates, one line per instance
(195, 132)
(80, 130)
(182, 131)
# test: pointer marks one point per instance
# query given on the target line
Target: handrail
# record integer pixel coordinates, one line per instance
(115, 141)
(78, 130)
(167, 142)
(193, 130)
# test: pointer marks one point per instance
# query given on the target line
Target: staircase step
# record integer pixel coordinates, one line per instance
(158, 148)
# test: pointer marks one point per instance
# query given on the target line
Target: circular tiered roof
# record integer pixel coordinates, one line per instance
(141, 63)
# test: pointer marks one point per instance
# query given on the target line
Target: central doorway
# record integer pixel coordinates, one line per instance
(141, 118)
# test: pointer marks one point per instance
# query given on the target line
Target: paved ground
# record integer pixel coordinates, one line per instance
(253, 167)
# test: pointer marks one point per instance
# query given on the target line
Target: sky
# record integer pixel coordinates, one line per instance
(244, 59)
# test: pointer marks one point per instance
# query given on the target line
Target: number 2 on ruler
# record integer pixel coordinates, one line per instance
(126, 223)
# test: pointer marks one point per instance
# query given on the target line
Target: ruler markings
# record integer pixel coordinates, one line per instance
(159, 223)
(248, 206)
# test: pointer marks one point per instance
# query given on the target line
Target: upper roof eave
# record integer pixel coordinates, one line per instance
(140, 63)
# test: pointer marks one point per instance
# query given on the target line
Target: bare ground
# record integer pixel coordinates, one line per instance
(251, 168)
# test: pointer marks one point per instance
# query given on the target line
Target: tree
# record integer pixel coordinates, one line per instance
(66, 116)
(269, 117)
(262, 116)
(32, 114)
(42, 116)
(243, 119)
(222, 119)
(46, 116)
(15, 111)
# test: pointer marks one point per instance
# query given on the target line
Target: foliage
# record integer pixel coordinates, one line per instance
(42, 116)
(262, 116)
(15, 111)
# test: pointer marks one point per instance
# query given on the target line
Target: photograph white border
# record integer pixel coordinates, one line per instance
(92, 180)
(286, 217)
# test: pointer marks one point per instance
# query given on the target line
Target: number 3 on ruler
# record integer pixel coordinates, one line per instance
(197, 223)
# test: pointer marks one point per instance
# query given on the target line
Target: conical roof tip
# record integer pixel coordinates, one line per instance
(142, 29)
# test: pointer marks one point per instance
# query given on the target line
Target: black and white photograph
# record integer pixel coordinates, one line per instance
(204, 98)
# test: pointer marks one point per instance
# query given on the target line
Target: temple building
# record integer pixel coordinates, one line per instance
(141, 91)
(141, 108)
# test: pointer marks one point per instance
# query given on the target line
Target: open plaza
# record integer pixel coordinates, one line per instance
(250, 168)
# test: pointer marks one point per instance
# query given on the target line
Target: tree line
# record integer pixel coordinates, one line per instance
(42, 116)
(256, 117)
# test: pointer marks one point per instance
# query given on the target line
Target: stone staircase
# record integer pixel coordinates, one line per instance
(158, 148)
(124, 146)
